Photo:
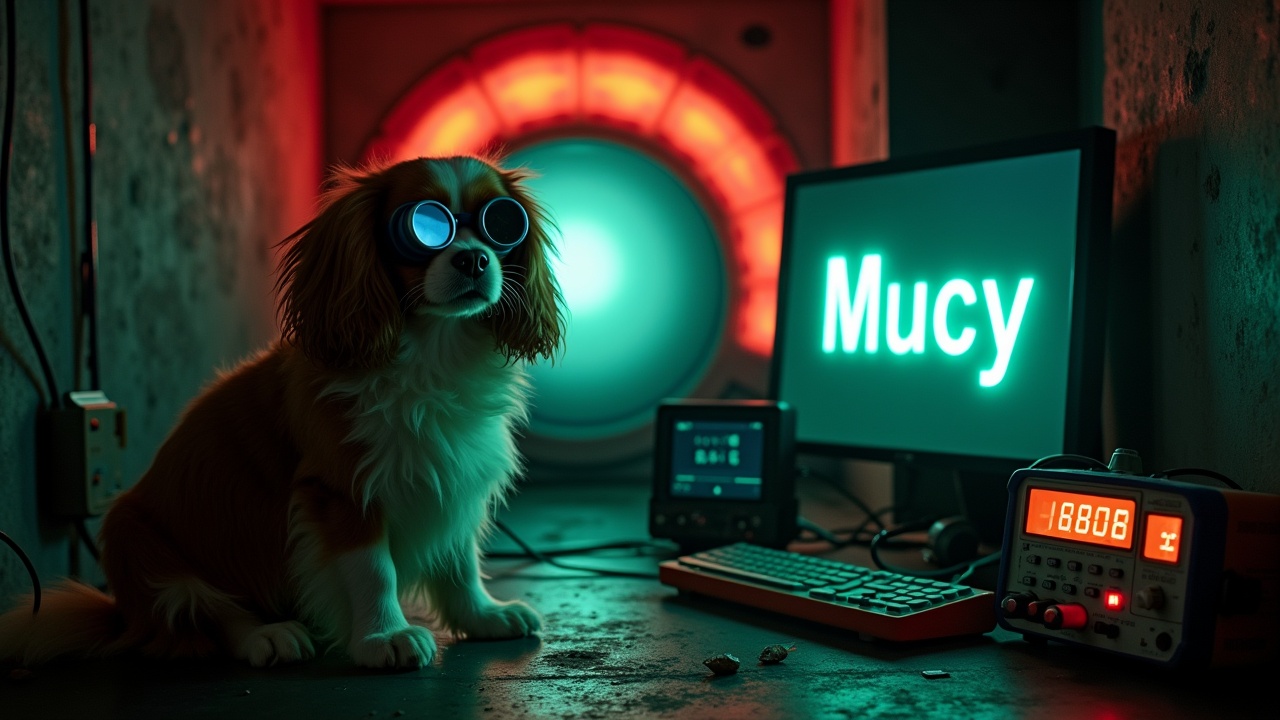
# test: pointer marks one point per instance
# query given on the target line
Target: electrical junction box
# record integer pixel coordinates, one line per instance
(83, 455)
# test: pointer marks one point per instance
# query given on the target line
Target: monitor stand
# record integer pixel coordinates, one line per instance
(923, 490)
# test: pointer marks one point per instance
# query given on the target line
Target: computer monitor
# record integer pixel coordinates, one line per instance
(946, 312)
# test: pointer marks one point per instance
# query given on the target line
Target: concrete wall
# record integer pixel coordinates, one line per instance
(1191, 88)
(207, 155)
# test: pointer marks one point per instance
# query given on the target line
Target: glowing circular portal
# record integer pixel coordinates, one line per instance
(588, 268)
(644, 281)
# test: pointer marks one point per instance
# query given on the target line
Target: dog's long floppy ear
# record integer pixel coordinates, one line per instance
(529, 320)
(337, 303)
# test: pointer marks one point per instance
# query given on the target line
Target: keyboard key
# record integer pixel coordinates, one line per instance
(740, 574)
(847, 586)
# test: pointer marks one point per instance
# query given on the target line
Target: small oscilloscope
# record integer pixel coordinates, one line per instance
(724, 472)
(1168, 572)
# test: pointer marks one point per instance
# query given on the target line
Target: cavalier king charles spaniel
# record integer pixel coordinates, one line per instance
(354, 464)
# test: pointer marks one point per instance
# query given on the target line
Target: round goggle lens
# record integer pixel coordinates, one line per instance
(504, 222)
(433, 224)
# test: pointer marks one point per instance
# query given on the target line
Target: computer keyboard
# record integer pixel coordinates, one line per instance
(873, 603)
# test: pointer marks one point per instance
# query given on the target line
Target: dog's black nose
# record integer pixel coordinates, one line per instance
(471, 262)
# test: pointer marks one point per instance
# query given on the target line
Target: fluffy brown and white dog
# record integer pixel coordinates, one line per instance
(351, 466)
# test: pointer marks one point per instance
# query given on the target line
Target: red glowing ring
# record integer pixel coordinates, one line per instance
(561, 76)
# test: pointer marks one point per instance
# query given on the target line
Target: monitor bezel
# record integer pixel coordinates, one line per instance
(1083, 428)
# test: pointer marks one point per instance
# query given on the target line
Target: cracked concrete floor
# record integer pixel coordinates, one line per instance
(633, 648)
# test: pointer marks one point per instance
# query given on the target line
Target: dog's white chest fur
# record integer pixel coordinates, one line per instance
(438, 428)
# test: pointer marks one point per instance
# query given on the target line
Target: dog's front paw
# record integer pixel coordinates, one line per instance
(282, 642)
(409, 647)
(500, 621)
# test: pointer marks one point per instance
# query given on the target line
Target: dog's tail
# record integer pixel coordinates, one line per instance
(75, 620)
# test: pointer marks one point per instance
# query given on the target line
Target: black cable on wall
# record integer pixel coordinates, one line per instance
(89, 256)
(6, 158)
(6, 163)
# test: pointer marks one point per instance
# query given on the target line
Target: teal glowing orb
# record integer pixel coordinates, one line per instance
(643, 278)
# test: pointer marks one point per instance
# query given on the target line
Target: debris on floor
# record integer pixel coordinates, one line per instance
(775, 654)
(723, 664)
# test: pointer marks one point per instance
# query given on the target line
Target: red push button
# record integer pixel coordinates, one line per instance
(1067, 616)
(1036, 608)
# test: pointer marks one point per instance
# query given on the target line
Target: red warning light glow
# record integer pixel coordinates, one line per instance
(1113, 600)
(565, 79)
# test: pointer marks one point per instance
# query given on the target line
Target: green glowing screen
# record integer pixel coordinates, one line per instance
(644, 281)
(930, 310)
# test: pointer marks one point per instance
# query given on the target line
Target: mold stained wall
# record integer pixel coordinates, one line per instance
(207, 155)
(1192, 88)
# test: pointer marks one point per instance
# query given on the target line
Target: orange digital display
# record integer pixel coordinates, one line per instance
(1091, 519)
(1162, 540)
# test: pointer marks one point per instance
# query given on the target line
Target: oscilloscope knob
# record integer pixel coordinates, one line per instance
(1015, 604)
(1149, 598)
(1125, 461)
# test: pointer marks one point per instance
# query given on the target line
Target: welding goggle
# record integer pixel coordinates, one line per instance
(419, 230)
